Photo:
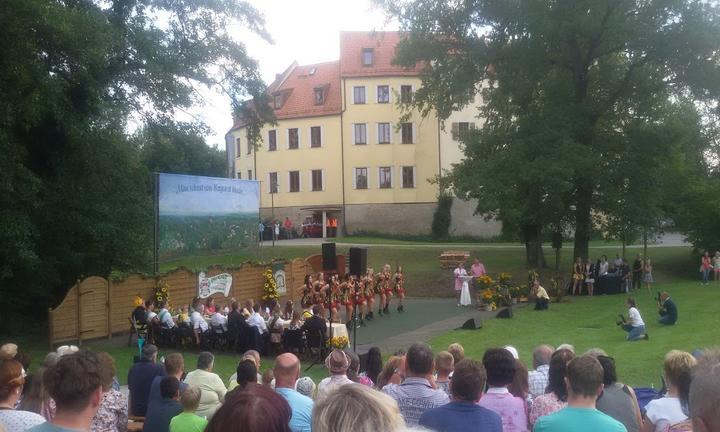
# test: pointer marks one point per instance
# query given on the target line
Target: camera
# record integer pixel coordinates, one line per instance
(621, 321)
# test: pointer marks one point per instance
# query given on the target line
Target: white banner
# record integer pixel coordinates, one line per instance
(208, 286)
(280, 281)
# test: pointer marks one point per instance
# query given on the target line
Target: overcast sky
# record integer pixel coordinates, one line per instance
(306, 31)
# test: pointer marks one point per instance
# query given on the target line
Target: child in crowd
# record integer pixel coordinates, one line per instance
(444, 367)
(188, 421)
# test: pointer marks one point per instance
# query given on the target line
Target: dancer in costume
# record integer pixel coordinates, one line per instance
(358, 291)
(346, 299)
(368, 283)
(319, 288)
(379, 285)
(307, 293)
(399, 280)
(332, 297)
(387, 287)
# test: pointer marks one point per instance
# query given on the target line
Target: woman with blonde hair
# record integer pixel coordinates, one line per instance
(357, 408)
(390, 373)
(664, 412)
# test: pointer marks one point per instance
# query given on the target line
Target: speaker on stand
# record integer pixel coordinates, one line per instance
(358, 261)
(329, 259)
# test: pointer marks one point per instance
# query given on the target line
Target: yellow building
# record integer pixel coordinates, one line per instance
(339, 151)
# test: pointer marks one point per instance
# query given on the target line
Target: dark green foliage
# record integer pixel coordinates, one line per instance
(442, 219)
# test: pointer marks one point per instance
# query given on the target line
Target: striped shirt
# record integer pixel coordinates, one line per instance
(414, 396)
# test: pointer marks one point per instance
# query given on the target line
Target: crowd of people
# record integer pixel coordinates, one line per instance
(585, 273)
(76, 390)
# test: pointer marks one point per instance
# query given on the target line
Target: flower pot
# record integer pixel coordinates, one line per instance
(487, 308)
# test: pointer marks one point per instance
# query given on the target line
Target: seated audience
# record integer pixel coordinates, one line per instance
(140, 313)
(210, 307)
(35, 397)
(519, 387)
(305, 386)
(556, 397)
(457, 351)
(276, 325)
(444, 366)
(12, 379)
(392, 373)
(357, 408)
(219, 319)
(197, 322)
(268, 378)
(353, 372)
(287, 371)
(112, 416)
(500, 368)
(618, 400)
(159, 414)
(538, 378)
(256, 408)
(316, 324)
(174, 366)
(256, 320)
(150, 310)
(374, 365)
(704, 394)
(463, 413)
(416, 394)
(662, 413)
(584, 385)
(75, 384)
(188, 421)
(140, 378)
(337, 363)
(213, 389)
(253, 356)
(165, 317)
(289, 310)
(667, 310)
(245, 374)
(566, 346)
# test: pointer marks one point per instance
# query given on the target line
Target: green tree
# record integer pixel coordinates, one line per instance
(584, 66)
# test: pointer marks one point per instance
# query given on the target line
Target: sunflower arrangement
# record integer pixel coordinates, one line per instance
(338, 342)
(162, 293)
(270, 286)
(485, 281)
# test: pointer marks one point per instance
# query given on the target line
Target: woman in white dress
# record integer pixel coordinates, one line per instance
(462, 291)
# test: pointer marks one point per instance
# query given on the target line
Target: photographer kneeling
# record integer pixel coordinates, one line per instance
(667, 309)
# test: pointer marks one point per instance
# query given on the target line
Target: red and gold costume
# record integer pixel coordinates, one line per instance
(399, 281)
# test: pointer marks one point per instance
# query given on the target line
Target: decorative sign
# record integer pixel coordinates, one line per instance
(208, 286)
(279, 274)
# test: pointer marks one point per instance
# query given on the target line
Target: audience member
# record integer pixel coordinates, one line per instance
(618, 400)
(140, 378)
(457, 351)
(416, 394)
(150, 310)
(305, 386)
(165, 317)
(268, 378)
(374, 364)
(392, 373)
(219, 319)
(519, 387)
(210, 307)
(245, 374)
(662, 413)
(12, 379)
(316, 324)
(500, 368)
(256, 408)
(538, 378)
(463, 413)
(512, 350)
(667, 309)
(353, 372)
(555, 397)
(75, 383)
(254, 357)
(357, 408)
(256, 320)
(444, 366)
(236, 323)
(704, 392)
(337, 363)
(197, 322)
(287, 372)
(596, 352)
(112, 416)
(174, 366)
(584, 385)
(159, 414)
(212, 387)
(35, 397)
(188, 421)
(140, 313)
(566, 346)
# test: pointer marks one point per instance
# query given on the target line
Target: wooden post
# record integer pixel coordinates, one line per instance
(79, 313)
(109, 307)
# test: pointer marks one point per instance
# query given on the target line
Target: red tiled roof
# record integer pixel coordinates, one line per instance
(383, 45)
(299, 91)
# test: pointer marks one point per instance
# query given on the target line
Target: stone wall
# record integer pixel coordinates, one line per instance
(465, 223)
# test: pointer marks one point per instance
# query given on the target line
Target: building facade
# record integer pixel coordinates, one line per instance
(342, 152)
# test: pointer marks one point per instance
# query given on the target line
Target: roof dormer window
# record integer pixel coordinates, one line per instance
(278, 101)
(368, 57)
(319, 96)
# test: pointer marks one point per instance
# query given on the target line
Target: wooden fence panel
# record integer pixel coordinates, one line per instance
(93, 314)
(121, 299)
(63, 320)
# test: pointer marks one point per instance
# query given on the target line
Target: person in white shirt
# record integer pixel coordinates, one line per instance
(538, 378)
(196, 318)
(165, 317)
(664, 412)
(634, 325)
(338, 364)
(219, 319)
(150, 308)
(256, 320)
(212, 387)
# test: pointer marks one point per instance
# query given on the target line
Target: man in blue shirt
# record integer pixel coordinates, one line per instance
(159, 414)
(667, 310)
(584, 382)
(175, 367)
(140, 378)
(463, 413)
(287, 371)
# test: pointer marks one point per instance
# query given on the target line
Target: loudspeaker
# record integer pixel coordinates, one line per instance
(363, 355)
(328, 256)
(505, 313)
(470, 325)
(557, 240)
(358, 261)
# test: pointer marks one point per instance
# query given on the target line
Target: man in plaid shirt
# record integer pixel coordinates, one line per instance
(538, 379)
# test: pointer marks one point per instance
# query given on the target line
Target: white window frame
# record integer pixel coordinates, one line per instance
(289, 188)
(392, 177)
(377, 133)
(377, 94)
(269, 180)
(354, 125)
(287, 135)
(276, 139)
(322, 137)
(367, 177)
(414, 177)
(355, 102)
(322, 180)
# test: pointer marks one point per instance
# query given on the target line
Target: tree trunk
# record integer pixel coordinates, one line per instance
(534, 256)
(583, 204)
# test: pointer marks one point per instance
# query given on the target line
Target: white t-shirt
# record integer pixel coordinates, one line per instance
(151, 316)
(19, 421)
(198, 322)
(665, 412)
(218, 320)
(166, 319)
(635, 318)
(255, 320)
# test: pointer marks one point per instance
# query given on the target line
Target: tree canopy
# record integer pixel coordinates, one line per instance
(578, 97)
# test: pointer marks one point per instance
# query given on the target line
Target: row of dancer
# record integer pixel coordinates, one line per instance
(334, 291)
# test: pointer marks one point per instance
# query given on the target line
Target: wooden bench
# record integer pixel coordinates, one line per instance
(135, 423)
(450, 259)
